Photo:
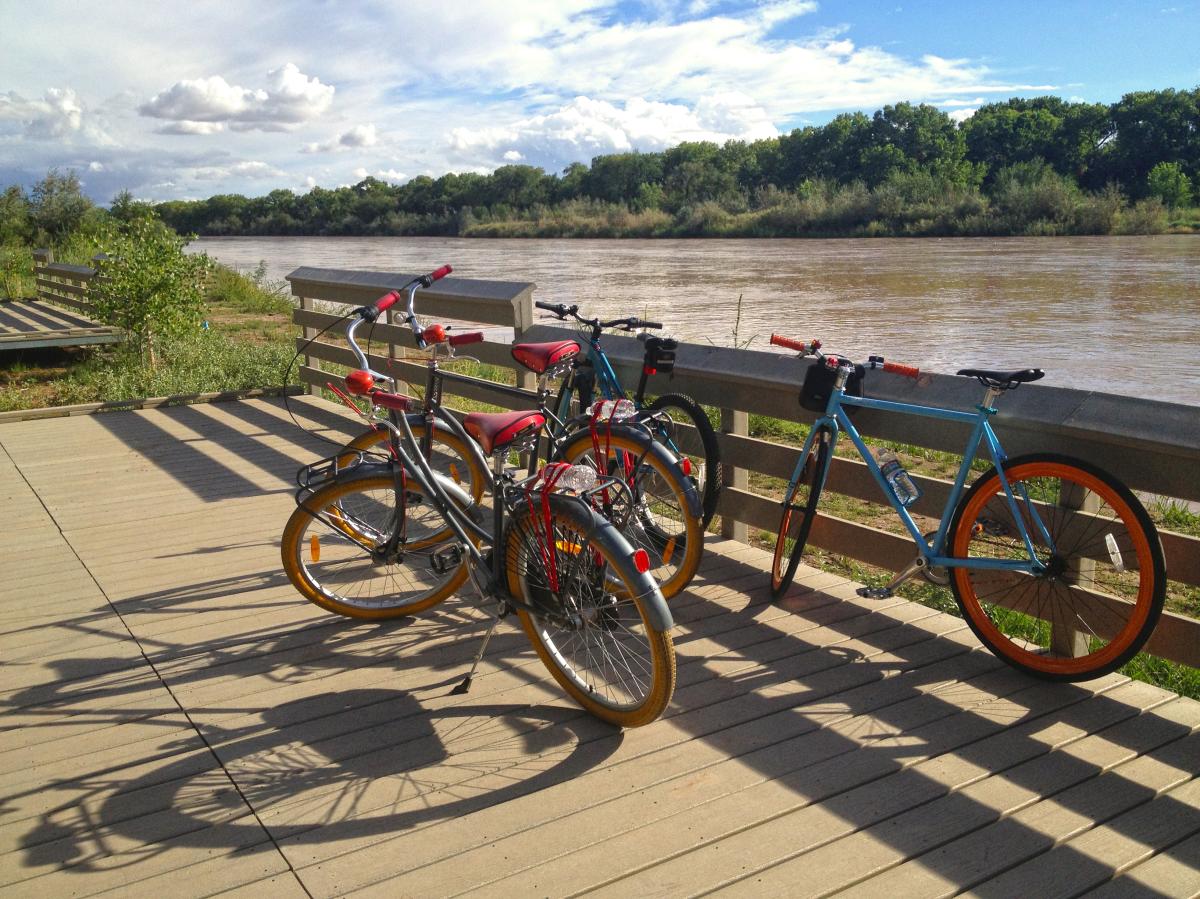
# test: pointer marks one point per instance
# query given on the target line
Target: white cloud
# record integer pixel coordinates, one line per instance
(251, 169)
(391, 175)
(289, 98)
(586, 127)
(961, 115)
(56, 115)
(358, 137)
(189, 127)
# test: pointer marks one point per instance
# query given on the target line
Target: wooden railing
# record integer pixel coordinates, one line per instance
(66, 285)
(1152, 446)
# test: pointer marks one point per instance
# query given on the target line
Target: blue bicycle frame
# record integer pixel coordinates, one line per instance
(607, 382)
(836, 419)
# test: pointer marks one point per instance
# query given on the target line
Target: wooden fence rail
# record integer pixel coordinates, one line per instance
(1152, 446)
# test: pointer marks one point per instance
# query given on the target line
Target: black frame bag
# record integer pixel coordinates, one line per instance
(818, 385)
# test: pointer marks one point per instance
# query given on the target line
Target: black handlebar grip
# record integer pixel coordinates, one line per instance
(654, 326)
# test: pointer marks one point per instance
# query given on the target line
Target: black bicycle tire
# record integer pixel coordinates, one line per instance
(816, 479)
(713, 473)
(595, 538)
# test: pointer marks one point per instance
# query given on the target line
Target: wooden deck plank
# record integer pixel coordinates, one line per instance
(1175, 871)
(160, 660)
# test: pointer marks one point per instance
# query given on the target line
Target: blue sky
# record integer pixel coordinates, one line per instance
(191, 100)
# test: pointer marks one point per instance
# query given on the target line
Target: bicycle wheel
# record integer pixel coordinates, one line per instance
(597, 635)
(799, 509)
(450, 457)
(1104, 581)
(665, 518)
(331, 550)
(706, 469)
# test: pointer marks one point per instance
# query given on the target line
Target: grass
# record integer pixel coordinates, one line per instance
(244, 342)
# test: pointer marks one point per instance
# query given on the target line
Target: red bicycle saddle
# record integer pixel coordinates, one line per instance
(496, 429)
(538, 357)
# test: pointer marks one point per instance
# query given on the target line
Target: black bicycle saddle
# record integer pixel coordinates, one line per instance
(1004, 380)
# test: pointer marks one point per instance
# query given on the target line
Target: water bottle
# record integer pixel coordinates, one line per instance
(576, 478)
(902, 485)
(614, 410)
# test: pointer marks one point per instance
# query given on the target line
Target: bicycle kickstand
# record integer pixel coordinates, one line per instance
(465, 685)
(915, 566)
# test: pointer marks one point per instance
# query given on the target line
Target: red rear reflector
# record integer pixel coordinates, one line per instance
(641, 560)
(646, 369)
(686, 464)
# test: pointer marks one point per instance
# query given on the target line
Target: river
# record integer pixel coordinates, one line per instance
(1117, 314)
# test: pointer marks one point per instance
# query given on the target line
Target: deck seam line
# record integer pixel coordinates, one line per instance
(1044, 797)
(778, 815)
(203, 738)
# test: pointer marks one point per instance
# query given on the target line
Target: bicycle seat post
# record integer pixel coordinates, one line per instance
(990, 396)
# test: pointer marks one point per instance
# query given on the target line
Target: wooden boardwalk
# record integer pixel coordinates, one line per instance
(30, 324)
(177, 721)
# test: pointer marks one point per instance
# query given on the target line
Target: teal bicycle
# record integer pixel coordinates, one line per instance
(1055, 564)
(584, 376)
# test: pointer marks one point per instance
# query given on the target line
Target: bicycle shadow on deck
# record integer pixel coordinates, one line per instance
(856, 710)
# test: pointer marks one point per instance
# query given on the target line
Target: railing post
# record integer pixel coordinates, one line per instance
(306, 303)
(734, 421)
(1065, 640)
(41, 259)
(522, 322)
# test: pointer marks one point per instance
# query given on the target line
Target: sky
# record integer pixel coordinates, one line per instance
(173, 100)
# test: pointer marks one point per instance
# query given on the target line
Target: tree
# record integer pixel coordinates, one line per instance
(57, 205)
(14, 216)
(1149, 127)
(148, 286)
(1168, 182)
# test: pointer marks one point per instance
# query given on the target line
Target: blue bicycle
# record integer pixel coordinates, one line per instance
(1055, 564)
(587, 375)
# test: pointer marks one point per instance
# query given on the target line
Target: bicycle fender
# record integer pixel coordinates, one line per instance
(606, 534)
(640, 434)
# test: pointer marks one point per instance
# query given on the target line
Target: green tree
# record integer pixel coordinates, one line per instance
(14, 216)
(57, 205)
(148, 285)
(1168, 182)
(1149, 127)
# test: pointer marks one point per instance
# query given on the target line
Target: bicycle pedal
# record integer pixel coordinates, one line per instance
(447, 559)
(874, 592)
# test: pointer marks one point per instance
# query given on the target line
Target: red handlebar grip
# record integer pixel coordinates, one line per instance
(440, 273)
(387, 301)
(466, 337)
(909, 371)
(780, 340)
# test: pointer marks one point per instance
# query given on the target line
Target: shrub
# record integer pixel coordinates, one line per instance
(1145, 217)
(148, 285)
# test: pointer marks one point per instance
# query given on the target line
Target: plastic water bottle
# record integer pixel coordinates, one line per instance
(576, 478)
(614, 410)
(902, 485)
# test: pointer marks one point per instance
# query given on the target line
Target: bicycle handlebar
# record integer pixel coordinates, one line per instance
(800, 346)
(392, 297)
(563, 312)
(813, 348)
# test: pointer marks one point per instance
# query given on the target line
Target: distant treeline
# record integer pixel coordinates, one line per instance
(1025, 166)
